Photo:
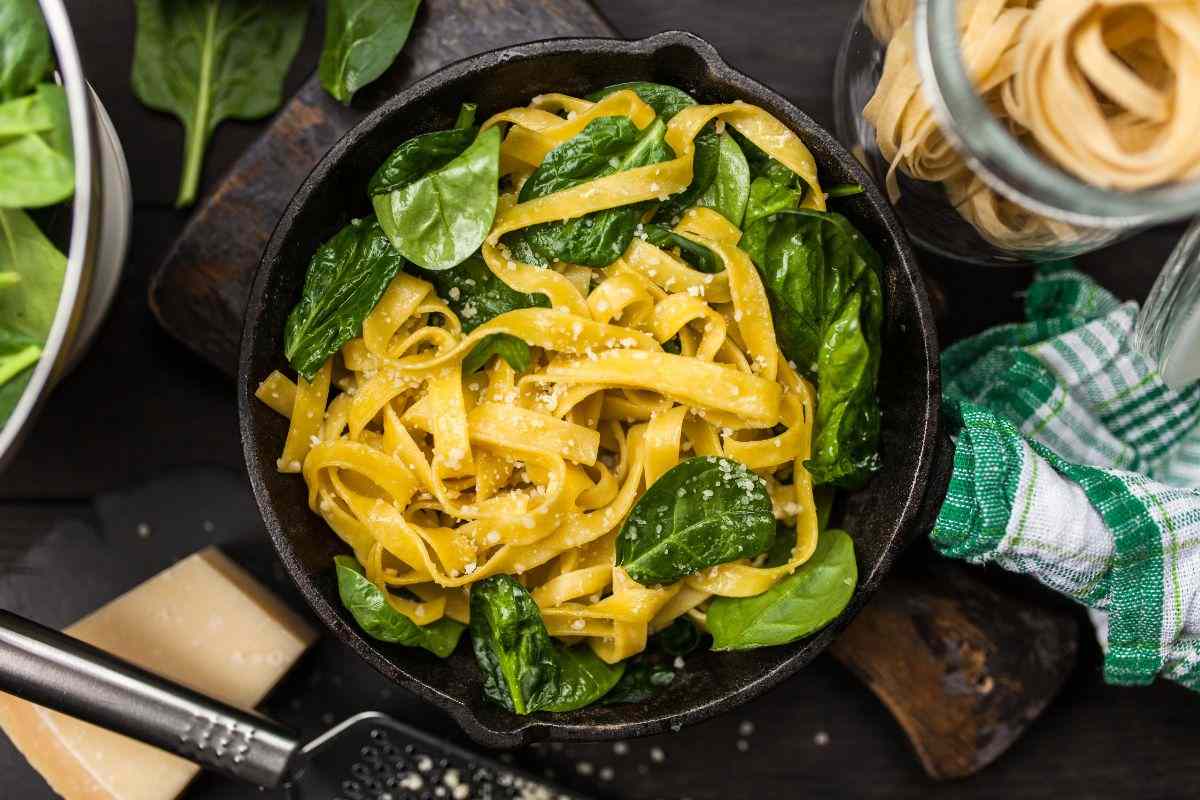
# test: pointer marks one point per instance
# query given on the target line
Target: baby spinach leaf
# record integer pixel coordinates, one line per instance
(705, 164)
(29, 300)
(680, 637)
(846, 438)
(640, 682)
(767, 198)
(18, 351)
(515, 654)
(666, 100)
(32, 113)
(362, 39)
(423, 154)
(763, 165)
(803, 602)
(25, 56)
(442, 217)
(607, 145)
(823, 282)
(209, 60)
(521, 250)
(476, 295)
(367, 604)
(702, 512)
(37, 167)
(11, 391)
(510, 348)
(345, 279)
(583, 678)
(690, 250)
(31, 278)
(730, 188)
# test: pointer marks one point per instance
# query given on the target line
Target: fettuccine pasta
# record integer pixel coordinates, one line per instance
(1106, 89)
(438, 477)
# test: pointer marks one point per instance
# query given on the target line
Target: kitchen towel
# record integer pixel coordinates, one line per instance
(1075, 464)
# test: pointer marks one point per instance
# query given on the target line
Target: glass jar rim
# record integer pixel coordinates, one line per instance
(1005, 164)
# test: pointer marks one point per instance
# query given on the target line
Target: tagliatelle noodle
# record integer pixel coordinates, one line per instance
(438, 479)
(1109, 90)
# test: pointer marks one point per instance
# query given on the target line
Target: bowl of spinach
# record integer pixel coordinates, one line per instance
(64, 210)
(756, 645)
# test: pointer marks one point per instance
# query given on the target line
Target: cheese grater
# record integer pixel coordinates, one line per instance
(370, 756)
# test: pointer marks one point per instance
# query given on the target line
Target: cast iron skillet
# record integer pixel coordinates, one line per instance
(898, 502)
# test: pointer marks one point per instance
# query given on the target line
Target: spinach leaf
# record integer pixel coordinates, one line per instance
(680, 637)
(520, 249)
(476, 295)
(583, 678)
(730, 188)
(18, 351)
(823, 283)
(515, 654)
(702, 512)
(607, 145)
(209, 60)
(803, 602)
(362, 39)
(32, 113)
(690, 250)
(423, 154)
(31, 278)
(763, 165)
(640, 682)
(37, 167)
(442, 217)
(345, 279)
(25, 56)
(767, 198)
(29, 300)
(369, 607)
(666, 100)
(11, 391)
(510, 348)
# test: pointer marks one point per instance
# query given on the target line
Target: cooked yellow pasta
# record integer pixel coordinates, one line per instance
(438, 479)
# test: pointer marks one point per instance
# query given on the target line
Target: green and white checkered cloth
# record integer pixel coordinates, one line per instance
(1075, 464)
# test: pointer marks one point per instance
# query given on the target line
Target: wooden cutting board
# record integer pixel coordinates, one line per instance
(920, 641)
(199, 293)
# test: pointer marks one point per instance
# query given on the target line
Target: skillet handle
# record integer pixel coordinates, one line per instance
(963, 662)
(57, 671)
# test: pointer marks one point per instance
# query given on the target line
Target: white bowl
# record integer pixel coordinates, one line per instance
(101, 212)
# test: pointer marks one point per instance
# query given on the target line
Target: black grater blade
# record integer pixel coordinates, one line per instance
(373, 757)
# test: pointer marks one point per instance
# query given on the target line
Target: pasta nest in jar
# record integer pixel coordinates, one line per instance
(438, 479)
(1105, 89)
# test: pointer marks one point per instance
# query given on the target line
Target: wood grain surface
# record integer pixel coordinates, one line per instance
(200, 290)
(144, 431)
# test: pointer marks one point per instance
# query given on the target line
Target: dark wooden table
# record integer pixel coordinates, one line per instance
(144, 433)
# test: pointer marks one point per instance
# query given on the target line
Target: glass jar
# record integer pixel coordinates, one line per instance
(975, 190)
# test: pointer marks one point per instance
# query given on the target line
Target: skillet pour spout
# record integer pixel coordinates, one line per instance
(881, 517)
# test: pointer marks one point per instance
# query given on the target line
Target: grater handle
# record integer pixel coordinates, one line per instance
(54, 670)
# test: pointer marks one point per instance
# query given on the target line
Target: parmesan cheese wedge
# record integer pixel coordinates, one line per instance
(204, 623)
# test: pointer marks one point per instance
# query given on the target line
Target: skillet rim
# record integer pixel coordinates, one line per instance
(915, 510)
